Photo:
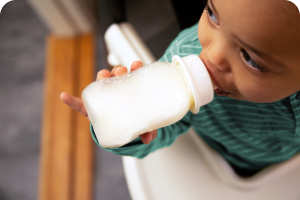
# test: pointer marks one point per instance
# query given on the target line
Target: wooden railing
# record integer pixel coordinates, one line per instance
(66, 168)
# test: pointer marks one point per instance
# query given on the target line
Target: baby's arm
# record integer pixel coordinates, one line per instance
(77, 104)
(166, 136)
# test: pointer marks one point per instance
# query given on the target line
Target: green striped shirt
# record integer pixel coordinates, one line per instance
(250, 136)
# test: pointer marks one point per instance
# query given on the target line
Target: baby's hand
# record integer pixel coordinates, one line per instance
(77, 104)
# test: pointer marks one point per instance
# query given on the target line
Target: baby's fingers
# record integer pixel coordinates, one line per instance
(103, 74)
(148, 137)
(119, 70)
(74, 102)
(136, 65)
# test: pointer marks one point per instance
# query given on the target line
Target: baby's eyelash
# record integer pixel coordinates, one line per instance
(211, 14)
(250, 62)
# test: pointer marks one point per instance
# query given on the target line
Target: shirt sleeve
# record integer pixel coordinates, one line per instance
(165, 137)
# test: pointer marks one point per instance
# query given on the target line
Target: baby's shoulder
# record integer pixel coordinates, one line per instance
(188, 35)
(187, 42)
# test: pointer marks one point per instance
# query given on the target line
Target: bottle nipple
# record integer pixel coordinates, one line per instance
(198, 78)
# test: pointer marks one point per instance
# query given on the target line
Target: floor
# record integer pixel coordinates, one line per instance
(22, 58)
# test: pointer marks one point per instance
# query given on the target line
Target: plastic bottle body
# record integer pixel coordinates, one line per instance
(122, 108)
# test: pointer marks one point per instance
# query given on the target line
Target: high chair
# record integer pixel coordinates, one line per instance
(190, 169)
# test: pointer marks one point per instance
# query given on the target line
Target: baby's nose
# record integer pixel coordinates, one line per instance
(216, 54)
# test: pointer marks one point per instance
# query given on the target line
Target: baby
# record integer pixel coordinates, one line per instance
(251, 50)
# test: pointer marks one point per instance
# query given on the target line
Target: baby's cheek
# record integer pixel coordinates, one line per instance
(203, 31)
(258, 94)
(247, 91)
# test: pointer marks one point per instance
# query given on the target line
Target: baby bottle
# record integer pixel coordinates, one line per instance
(154, 96)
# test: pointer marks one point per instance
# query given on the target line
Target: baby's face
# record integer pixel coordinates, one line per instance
(251, 48)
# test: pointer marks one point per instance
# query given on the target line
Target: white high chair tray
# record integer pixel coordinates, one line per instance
(190, 169)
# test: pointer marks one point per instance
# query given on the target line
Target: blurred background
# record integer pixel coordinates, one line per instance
(22, 74)
(23, 55)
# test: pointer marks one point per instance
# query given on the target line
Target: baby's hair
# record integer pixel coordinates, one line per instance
(297, 3)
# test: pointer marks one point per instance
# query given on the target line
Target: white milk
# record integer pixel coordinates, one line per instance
(122, 108)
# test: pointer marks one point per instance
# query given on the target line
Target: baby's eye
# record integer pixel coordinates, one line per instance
(211, 15)
(251, 62)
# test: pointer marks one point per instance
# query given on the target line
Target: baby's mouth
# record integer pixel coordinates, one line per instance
(219, 91)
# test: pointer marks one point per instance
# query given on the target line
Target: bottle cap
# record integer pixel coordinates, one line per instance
(198, 78)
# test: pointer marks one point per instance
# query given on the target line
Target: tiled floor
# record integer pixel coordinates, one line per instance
(22, 54)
